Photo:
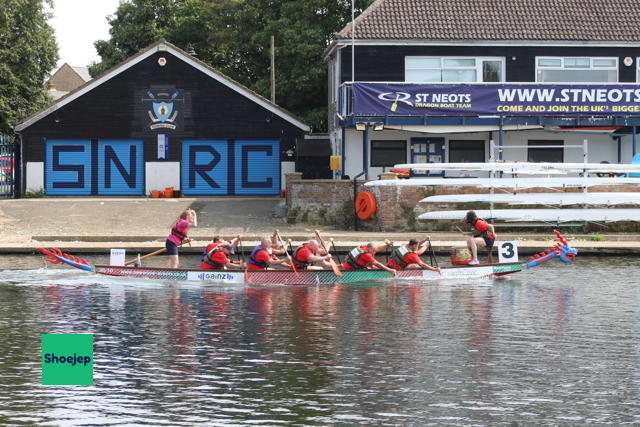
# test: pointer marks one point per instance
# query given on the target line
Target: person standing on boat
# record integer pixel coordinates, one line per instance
(408, 257)
(362, 257)
(261, 257)
(179, 234)
(218, 258)
(307, 254)
(482, 233)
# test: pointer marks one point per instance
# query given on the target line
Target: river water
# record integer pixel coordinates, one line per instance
(558, 345)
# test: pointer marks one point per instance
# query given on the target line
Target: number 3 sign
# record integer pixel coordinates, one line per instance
(507, 252)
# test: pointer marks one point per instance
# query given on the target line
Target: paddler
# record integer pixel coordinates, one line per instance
(262, 257)
(307, 254)
(178, 234)
(408, 256)
(218, 258)
(482, 233)
(362, 257)
(216, 241)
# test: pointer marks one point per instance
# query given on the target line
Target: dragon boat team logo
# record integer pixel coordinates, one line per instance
(395, 97)
(164, 108)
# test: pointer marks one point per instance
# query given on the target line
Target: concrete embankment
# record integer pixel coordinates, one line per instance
(79, 225)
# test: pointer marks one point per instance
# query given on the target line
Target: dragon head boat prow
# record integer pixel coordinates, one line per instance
(561, 250)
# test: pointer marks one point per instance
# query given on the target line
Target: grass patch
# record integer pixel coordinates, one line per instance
(33, 194)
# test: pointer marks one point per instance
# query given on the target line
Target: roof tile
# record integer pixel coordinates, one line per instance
(566, 20)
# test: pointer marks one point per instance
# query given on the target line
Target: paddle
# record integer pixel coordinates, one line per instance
(335, 268)
(293, 266)
(336, 252)
(159, 251)
(247, 279)
(432, 254)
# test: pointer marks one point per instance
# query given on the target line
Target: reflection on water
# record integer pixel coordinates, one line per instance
(554, 345)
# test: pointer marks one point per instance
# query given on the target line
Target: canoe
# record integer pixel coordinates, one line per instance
(560, 250)
(305, 277)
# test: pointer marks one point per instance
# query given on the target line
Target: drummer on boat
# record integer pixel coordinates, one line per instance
(362, 257)
(408, 257)
(178, 235)
(262, 257)
(309, 253)
(482, 233)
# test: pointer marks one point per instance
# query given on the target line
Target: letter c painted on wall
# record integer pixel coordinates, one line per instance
(365, 205)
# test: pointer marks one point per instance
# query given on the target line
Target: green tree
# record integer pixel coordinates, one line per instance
(135, 25)
(28, 53)
(233, 36)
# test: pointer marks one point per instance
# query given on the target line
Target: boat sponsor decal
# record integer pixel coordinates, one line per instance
(411, 99)
(217, 276)
(506, 268)
(465, 271)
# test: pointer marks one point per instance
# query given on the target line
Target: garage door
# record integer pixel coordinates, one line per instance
(92, 167)
(228, 167)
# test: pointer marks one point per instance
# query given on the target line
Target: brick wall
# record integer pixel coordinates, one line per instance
(329, 202)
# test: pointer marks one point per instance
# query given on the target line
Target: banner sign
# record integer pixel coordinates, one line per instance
(411, 99)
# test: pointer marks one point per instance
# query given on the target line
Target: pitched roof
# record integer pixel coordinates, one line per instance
(548, 20)
(162, 46)
(83, 72)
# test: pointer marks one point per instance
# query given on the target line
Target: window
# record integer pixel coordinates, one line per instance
(637, 70)
(576, 70)
(388, 153)
(554, 155)
(451, 69)
(464, 151)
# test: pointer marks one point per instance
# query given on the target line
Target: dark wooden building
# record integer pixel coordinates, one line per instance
(160, 119)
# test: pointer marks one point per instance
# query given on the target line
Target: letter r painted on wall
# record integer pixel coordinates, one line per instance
(203, 169)
(217, 167)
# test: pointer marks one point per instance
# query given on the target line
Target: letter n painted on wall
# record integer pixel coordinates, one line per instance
(85, 167)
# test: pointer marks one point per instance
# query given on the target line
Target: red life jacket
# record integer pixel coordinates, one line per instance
(179, 234)
(482, 229)
(208, 258)
(299, 262)
(354, 255)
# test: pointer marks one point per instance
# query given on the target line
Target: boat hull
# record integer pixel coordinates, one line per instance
(307, 277)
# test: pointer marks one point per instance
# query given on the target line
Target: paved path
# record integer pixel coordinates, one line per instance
(142, 224)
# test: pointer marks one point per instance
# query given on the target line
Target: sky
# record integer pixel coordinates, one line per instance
(78, 24)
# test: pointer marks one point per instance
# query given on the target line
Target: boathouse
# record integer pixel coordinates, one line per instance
(459, 81)
(160, 119)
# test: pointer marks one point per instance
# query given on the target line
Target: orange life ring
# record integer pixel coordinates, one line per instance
(365, 205)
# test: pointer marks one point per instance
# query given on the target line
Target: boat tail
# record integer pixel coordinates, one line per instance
(55, 256)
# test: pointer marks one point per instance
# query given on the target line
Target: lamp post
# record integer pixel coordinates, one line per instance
(353, 42)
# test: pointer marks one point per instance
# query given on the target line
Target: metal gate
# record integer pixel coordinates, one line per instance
(8, 173)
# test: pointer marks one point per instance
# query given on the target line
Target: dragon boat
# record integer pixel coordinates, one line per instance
(560, 250)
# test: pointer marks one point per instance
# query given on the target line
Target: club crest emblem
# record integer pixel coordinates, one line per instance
(163, 108)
